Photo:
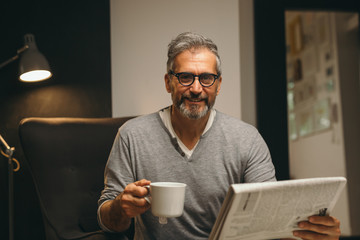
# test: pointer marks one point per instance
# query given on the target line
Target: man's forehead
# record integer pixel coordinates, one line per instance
(195, 52)
(201, 59)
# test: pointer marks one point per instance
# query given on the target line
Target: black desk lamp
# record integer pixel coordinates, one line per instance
(9, 152)
(33, 65)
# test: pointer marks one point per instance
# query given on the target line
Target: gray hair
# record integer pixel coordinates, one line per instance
(187, 41)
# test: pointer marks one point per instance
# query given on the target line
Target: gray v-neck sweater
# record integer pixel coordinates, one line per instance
(231, 151)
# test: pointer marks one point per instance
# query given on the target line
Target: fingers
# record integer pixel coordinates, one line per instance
(133, 206)
(136, 189)
(319, 227)
(324, 220)
(307, 235)
(132, 199)
(142, 182)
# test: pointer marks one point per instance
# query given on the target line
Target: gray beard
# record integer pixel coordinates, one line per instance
(193, 112)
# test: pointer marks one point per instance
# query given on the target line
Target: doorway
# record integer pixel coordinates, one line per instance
(272, 94)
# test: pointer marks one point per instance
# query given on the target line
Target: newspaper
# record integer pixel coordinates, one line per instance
(271, 210)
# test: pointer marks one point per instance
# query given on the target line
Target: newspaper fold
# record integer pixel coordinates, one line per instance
(271, 210)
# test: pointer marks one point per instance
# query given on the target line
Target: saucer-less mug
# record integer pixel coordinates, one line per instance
(166, 199)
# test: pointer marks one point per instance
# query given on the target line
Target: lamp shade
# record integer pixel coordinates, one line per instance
(33, 64)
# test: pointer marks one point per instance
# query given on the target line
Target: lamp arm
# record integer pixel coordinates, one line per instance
(8, 150)
(18, 52)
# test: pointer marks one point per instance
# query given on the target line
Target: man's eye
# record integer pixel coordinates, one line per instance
(186, 77)
(206, 77)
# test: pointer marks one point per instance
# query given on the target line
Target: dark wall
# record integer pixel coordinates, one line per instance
(75, 38)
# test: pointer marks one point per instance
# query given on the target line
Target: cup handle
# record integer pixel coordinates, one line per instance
(148, 197)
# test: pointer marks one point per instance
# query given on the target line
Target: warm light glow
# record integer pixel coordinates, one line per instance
(34, 76)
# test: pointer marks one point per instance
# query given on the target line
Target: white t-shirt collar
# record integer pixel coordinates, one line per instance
(165, 116)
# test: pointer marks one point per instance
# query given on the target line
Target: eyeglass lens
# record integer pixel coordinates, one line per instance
(188, 78)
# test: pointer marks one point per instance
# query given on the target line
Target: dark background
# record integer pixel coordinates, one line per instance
(75, 38)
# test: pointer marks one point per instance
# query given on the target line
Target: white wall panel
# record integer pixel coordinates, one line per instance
(140, 33)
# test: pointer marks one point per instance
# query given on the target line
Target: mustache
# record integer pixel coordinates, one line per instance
(194, 97)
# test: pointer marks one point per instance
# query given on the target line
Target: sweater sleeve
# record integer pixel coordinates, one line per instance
(259, 166)
(118, 171)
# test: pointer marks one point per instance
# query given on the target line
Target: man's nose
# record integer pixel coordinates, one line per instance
(196, 87)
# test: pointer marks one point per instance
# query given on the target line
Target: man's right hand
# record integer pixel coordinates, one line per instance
(116, 214)
(132, 201)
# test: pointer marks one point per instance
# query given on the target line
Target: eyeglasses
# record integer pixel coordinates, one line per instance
(186, 79)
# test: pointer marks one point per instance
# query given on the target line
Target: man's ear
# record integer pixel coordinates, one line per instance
(219, 86)
(167, 83)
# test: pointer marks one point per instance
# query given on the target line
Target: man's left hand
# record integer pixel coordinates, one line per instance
(319, 227)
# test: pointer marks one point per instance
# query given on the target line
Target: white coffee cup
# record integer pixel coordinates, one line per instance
(166, 199)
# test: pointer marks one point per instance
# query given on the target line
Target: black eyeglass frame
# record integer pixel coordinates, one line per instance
(177, 75)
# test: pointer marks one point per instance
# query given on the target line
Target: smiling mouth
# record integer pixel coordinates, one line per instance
(195, 100)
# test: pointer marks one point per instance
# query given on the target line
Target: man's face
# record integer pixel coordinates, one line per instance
(193, 101)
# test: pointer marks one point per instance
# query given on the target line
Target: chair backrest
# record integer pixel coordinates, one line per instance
(67, 157)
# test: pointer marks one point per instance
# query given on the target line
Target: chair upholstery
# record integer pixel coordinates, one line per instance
(67, 157)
